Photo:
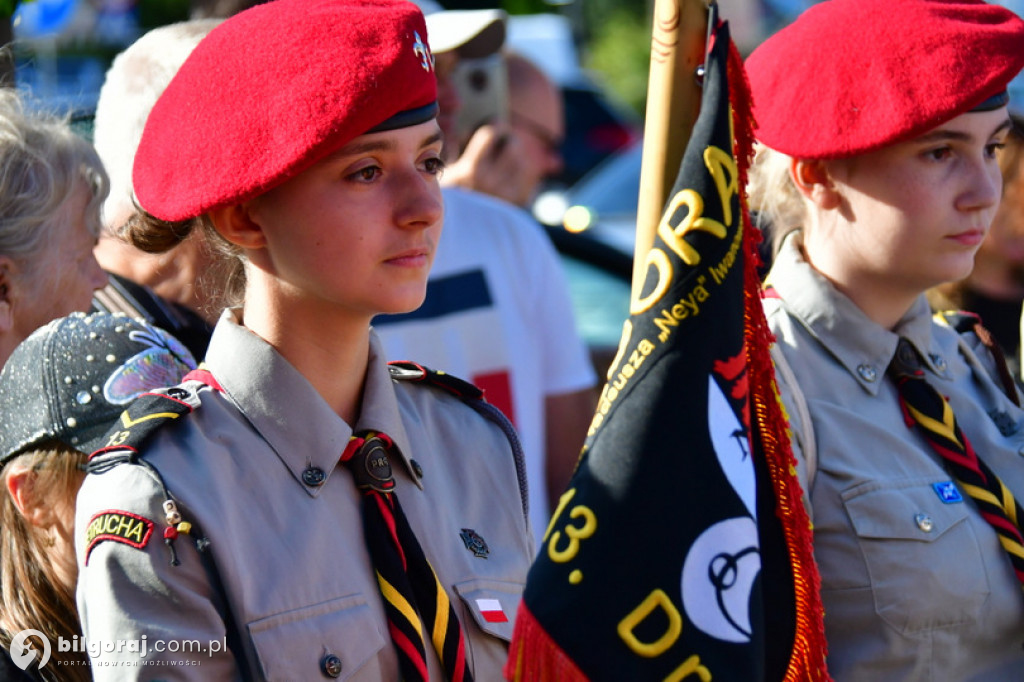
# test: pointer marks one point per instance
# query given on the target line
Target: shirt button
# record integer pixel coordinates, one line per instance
(924, 522)
(867, 372)
(314, 477)
(416, 468)
(330, 665)
(938, 361)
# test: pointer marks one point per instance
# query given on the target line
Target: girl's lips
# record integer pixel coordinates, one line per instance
(412, 258)
(969, 237)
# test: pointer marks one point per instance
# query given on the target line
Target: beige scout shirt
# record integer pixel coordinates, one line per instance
(296, 584)
(914, 588)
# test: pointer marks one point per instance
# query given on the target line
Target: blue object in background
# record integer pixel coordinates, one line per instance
(1016, 87)
(43, 17)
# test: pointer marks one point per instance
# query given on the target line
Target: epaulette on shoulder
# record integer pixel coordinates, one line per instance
(144, 415)
(965, 322)
(403, 370)
(962, 321)
(124, 441)
(474, 397)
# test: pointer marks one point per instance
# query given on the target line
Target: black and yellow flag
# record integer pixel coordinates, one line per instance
(681, 550)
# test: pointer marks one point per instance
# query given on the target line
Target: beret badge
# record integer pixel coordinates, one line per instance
(422, 51)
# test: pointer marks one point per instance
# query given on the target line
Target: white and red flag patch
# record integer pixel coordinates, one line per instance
(491, 610)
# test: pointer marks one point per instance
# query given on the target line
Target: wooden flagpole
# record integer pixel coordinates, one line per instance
(673, 101)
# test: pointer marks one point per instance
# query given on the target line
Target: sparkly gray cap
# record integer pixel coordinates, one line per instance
(71, 379)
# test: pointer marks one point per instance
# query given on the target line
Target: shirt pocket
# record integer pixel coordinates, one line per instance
(339, 635)
(492, 604)
(922, 556)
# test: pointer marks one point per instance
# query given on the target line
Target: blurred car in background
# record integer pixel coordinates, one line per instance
(596, 127)
(593, 226)
(602, 205)
(599, 278)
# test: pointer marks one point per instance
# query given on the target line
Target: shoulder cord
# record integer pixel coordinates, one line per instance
(498, 417)
(404, 370)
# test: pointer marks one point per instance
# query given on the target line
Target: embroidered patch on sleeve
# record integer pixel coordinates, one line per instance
(120, 526)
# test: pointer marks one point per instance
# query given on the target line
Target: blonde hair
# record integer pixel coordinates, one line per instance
(41, 160)
(772, 196)
(31, 596)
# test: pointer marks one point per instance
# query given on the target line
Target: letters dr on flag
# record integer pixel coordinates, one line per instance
(681, 549)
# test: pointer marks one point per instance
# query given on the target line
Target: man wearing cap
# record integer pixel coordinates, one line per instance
(879, 158)
(498, 311)
(311, 511)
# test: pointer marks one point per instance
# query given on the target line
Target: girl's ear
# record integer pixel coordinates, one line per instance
(20, 482)
(813, 181)
(236, 225)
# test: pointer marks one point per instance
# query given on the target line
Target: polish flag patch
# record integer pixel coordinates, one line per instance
(491, 610)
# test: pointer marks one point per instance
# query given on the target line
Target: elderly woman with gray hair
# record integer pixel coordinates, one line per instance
(52, 185)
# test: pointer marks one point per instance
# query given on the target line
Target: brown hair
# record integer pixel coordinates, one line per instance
(1011, 159)
(31, 596)
(224, 284)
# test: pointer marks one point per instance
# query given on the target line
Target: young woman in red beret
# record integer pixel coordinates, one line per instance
(297, 507)
(880, 124)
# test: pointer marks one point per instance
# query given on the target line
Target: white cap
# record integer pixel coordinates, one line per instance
(474, 33)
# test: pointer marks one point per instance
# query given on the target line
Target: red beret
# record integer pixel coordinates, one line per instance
(273, 90)
(850, 76)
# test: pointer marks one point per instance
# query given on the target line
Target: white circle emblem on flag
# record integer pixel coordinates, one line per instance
(722, 565)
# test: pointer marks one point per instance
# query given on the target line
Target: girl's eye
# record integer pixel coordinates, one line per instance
(939, 154)
(434, 165)
(993, 149)
(367, 174)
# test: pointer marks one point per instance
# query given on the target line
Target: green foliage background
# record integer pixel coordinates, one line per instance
(619, 48)
(614, 37)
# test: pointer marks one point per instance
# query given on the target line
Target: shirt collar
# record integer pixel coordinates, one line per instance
(863, 347)
(286, 410)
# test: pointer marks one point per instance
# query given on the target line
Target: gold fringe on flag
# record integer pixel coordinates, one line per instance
(807, 659)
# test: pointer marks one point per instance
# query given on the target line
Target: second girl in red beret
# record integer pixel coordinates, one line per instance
(880, 123)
